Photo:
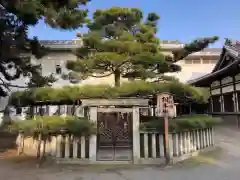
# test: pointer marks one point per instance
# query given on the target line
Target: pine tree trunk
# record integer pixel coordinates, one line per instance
(39, 145)
(117, 76)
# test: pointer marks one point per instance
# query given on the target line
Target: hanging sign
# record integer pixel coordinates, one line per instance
(165, 105)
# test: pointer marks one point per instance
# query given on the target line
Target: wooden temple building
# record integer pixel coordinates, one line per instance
(224, 84)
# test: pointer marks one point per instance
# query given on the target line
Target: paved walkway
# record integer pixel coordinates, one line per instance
(228, 167)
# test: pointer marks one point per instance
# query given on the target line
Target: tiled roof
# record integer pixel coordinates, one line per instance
(69, 44)
(217, 50)
(171, 42)
(57, 42)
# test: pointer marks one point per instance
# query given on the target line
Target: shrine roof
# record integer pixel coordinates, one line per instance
(228, 64)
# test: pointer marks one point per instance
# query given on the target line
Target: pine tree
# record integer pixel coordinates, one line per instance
(121, 43)
(16, 16)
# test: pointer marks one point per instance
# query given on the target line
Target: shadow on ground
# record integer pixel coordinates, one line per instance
(7, 140)
(210, 157)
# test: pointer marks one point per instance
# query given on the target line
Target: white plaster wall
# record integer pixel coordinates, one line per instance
(192, 71)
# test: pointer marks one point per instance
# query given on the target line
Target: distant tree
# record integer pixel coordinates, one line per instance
(16, 16)
(120, 43)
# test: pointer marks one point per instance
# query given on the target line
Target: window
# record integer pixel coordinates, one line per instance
(19, 110)
(197, 61)
(216, 104)
(61, 109)
(228, 103)
(58, 69)
(70, 109)
(188, 61)
(41, 111)
(206, 61)
(86, 112)
(144, 111)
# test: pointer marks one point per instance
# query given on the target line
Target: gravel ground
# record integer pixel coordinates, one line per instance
(222, 164)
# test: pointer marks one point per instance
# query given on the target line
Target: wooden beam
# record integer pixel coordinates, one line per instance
(115, 102)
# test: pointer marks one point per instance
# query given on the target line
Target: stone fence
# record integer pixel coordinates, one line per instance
(61, 146)
(66, 148)
(181, 145)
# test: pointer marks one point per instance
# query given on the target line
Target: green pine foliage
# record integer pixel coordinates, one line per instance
(180, 124)
(132, 89)
(42, 128)
(122, 43)
(16, 16)
(53, 125)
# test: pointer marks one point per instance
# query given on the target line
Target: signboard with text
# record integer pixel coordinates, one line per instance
(165, 105)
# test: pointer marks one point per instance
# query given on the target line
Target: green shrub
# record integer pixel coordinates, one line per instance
(183, 123)
(47, 125)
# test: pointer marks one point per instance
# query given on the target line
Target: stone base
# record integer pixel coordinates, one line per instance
(114, 154)
(193, 154)
(143, 161)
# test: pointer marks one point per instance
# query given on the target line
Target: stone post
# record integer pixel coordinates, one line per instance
(58, 146)
(170, 136)
(185, 144)
(194, 140)
(136, 135)
(207, 134)
(75, 147)
(198, 139)
(53, 146)
(145, 136)
(93, 138)
(204, 138)
(201, 138)
(67, 146)
(175, 144)
(188, 142)
(181, 145)
(83, 153)
(212, 135)
(20, 143)
(161, 145)
(154, 149)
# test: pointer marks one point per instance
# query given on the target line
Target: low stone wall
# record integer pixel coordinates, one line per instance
(181, 145)
(68, 149)
(61, 146)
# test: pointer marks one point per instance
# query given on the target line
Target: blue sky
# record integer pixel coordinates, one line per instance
(182, 20)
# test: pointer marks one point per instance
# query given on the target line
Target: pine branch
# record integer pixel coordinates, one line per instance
(194, 46)
(15, 18)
